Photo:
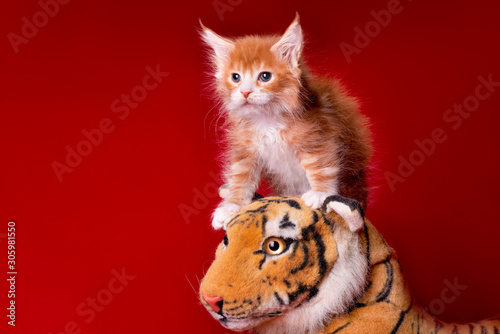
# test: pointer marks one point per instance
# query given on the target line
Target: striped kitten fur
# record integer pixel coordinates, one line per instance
(304, 134)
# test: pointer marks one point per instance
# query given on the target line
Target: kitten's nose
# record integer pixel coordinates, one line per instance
(214, 302)
(245, 94)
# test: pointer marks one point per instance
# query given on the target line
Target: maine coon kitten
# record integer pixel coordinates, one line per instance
(303, 133)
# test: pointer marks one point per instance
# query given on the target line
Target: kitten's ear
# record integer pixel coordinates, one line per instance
(222, 46)
(289, 47)
(348, 209)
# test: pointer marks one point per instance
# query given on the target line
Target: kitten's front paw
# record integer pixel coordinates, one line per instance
(222, 214)
(315, 199)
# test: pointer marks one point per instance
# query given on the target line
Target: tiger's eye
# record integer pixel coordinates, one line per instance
(226, 241)
(274, 246)
(265, 76)
(236, 77)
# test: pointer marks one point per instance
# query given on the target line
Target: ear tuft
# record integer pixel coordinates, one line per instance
(290, 45)
(221, 46)
(348, 209)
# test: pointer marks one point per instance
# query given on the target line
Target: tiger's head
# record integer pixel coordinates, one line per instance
(284, 267)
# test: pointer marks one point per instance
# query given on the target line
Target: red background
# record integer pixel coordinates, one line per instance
(120, 207)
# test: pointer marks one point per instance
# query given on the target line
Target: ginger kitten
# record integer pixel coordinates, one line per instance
(303, 133)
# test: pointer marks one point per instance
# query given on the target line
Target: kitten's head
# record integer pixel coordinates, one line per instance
(257, 75)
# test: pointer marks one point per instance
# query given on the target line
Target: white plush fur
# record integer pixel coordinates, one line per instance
(343, 284)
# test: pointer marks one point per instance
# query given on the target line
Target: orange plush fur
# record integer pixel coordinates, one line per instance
(285, 268)
(301, 132)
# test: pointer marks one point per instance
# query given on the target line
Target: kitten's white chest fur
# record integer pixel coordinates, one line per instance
(280, 160)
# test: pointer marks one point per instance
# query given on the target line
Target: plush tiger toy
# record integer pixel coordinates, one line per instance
(286, 268)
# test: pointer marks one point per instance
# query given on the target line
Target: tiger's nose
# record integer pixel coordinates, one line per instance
(245, 94)
(214, 302)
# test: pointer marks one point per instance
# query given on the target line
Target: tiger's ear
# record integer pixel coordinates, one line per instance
(348, 209)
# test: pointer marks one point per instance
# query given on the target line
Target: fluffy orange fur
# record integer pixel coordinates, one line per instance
(301, 132)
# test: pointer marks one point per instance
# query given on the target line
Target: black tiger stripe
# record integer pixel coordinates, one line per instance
(484, 330)
(304, 262)
(320, 245)
(260, 209)
(300, 290)
(327, 221)
(264, 222)
(316, 218)
(496, 330)
(312, 292)
(307, 231)
(286, 223)
(455, 330)
(402, 316)
(367, 236)
(279, 298)
(357, 305)
(233, 220)
(292, 203)
(471, 328)
(341, 328)
(294, 250)
(386, 290)
(261, 252)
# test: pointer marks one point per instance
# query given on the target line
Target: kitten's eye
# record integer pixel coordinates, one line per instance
(275, 246)
(236, 77)
(265, 76)
(226, 241)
